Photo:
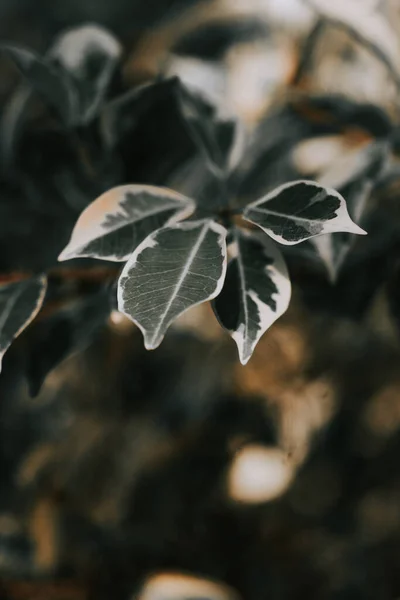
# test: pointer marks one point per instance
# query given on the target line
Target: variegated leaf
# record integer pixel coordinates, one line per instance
(112, 226)
(355, 176)
(89, 54)
(300, 210)
(19, 304)
(256, 292)
(172, 270)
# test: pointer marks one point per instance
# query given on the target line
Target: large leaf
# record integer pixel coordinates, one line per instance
(300, 210)
(368, 23)
(355, 176)
(62, 334)
(48, 80)
(90, 55)
(112, 226)
(256, 291)
(172, 270)
(19, 304)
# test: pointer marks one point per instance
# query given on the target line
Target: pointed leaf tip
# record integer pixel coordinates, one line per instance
(174, 269)
(300, 210)
(256, 292)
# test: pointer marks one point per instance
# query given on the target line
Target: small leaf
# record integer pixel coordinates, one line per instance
(256, 291)
(300, 210)
(368, 24)
(62, 334)
(204, 130)
(112, 226)
(172, 270)
(355, 176)
(90, 55)
(19, 304)
(49, 82)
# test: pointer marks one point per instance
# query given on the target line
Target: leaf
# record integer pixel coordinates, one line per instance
(204, 130)
(49, 82)
(62, 334)
(11, 123)
(256, 291)
(121, 114)
(355, 176)
(172, 270)
(74, 75)
(90, 55)
(300, 210)
(368, 24)
(112, 226)
(19, 304)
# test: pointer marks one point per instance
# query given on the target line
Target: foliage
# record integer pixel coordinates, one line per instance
(180, 249)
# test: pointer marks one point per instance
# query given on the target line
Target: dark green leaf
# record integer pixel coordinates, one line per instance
(354, 177)
(62, 334)
(214, 140)
(19, 304)
(89, 54)
(47, 80)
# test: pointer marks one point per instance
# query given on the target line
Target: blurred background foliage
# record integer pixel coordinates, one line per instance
(179, 473)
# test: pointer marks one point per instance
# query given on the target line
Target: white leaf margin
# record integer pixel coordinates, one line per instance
(279, 274)
(151, 242)
(90, 226)
(328, 226)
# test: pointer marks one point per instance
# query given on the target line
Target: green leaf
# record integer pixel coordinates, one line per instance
(52, 85)
(90, 55)
(112, 226)
(256, 291)
(74, 75)
(19, 304)
(300, 210)
(355, 177)
(63, 333)
(221, 142)
(172, 270)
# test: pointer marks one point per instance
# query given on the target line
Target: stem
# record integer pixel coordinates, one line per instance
(307, 52)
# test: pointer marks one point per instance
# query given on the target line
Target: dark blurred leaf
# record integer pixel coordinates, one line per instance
(62, 334)
(213, 139)
(90, 55)
(49, 81)
(144, 127)
(19, 304)
(368, 23)
(121, 114)
(355, 180)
